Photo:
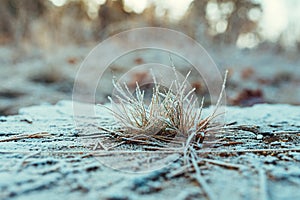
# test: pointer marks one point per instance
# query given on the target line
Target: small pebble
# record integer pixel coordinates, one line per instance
(259, 137)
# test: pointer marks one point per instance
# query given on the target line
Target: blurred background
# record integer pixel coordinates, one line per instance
(43, 43)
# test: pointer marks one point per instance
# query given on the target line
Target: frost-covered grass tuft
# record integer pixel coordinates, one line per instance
(172, 111)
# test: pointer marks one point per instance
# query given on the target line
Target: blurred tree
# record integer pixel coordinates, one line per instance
(15, 17)
(111, 16)
(221, 20)
(239, 21)
(7, 15)
(211, 21)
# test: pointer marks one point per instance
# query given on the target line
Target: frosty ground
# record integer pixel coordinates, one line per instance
(43, 156)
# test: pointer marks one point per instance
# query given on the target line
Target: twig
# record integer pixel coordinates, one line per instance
(26, 136)
(222, 143)
(181, 170)
(187, 168)
(174, 149)
(116, 145)
(105, 129)
(93, 135)
(210, 195)
(223, 164)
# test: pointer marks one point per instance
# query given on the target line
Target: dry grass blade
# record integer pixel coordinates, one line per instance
(210, 194)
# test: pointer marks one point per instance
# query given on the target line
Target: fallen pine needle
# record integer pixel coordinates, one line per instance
(207, 190)
(224, 164)
(26, 136)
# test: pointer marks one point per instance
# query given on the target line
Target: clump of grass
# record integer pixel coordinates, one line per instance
(171, 112)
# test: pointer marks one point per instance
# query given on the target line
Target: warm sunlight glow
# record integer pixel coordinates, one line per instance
(274, 18)
(93, 6)
(137, 6)
(280, 20)
(58, 2)
(174, 9)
